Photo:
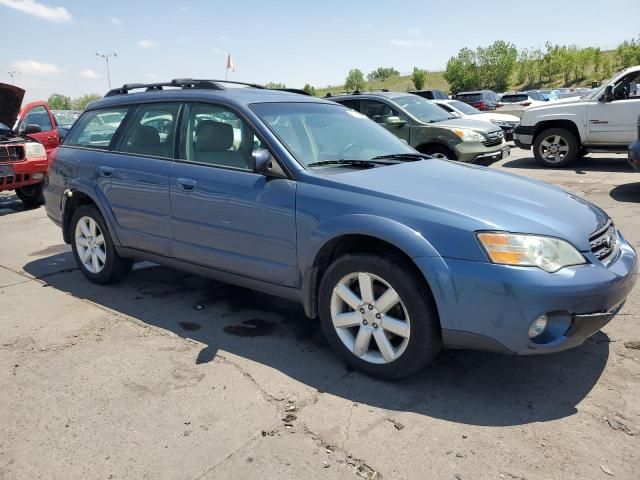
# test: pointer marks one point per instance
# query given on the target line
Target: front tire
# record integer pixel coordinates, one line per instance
(93, 247)
(439, 151)
(556, 147)
(31, 195)
(378, 315)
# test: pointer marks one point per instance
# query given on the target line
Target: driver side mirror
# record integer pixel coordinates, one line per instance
(394, 121)
(607, 97)
(264, 164)
(30, 129)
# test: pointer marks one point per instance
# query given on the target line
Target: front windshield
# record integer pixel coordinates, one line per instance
(596, 93)
(66, 118)
(422, 109)
(464, 107)
(316, 132)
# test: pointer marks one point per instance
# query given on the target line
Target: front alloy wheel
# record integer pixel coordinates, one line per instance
(370, 318)
(555, 147)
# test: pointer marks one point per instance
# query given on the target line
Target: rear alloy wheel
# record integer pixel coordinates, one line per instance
(378, 315)
(31, 195)
(93, 248)
(555, 147)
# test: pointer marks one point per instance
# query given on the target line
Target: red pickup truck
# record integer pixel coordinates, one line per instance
(27, 138)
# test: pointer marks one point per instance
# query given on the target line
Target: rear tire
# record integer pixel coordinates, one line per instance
(388, 327)
(31, 195)
(93, 247)
(556, 147)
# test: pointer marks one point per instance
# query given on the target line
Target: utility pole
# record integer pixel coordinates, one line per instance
(12, 74)
(106, 57)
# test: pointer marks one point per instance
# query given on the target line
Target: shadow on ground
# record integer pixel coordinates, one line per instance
(615, 163)
(462, 386)
(10, 203)
(628, 192)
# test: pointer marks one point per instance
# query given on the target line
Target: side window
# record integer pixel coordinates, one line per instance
(215, 135)
(152, 131)
(445, 107)
(377, 111)
(96, 128)
(352, 104)
(38, 116)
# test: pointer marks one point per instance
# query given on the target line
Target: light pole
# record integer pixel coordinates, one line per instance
(106, 57)
(12, 74)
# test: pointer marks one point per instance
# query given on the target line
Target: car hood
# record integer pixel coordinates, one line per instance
(475, 198)
(475, 125)
(10, 102)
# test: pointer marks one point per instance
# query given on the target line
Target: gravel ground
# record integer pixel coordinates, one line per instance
(169, 375)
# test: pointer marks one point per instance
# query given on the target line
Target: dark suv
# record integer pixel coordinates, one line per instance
(431, 94)
(481, 99)
(399, 254)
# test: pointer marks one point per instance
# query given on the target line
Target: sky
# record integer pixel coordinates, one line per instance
(53, 43)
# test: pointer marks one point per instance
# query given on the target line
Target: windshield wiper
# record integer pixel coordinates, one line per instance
(412, 157)
(342, 161)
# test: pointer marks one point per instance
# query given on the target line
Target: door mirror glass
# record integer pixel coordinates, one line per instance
(394, 121)
(31, 128)
(608, 94)
(264, 164)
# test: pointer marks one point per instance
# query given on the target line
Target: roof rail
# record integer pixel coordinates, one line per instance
(356, 92)
(183, 83)
(293, 90)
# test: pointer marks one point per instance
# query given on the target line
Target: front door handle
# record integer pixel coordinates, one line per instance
(187, 184)
(106, 171)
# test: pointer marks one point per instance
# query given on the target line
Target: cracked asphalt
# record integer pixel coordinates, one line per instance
(172, 376)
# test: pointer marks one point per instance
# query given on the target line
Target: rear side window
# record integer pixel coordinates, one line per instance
(352, 104)
(514, 98)
(469, 97)
(152, 131)
(96, 129)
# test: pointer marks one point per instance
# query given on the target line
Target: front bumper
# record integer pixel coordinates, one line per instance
(484, 306)
(476, 152)
(15, 175)
(523, 137)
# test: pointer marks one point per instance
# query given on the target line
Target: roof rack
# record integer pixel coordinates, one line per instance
(355, 92)
(184, 83)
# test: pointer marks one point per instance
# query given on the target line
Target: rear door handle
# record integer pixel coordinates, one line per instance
(106, 171)
(187, 184)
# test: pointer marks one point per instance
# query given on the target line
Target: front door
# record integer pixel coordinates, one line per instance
(379, 112)
(615, 122)
(225, 216)
(39, 115)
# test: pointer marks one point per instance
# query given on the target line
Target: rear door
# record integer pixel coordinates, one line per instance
(39, 115)
(224, 215)
(129, 162)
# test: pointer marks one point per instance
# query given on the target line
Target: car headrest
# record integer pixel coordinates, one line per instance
(213, 136)
(145, 135)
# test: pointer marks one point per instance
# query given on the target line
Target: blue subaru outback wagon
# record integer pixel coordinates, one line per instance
(399, 254)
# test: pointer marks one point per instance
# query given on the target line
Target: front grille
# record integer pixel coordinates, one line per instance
(493, 139)
(492, 143)
(604, 242)
(11, 153)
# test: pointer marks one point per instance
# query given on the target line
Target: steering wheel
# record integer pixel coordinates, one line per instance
(351, 146)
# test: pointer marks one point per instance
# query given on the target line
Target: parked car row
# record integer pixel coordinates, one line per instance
(321, 201)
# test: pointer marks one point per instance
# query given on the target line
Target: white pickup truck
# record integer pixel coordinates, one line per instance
(603, 121)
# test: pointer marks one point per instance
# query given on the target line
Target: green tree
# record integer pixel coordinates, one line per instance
(461, 72)
(275, 85)
(629, 53)
(419, 78)
(59, 102)
(355, 80)
(310, 89)
(80, 103)
(382, 73)
(498, 62)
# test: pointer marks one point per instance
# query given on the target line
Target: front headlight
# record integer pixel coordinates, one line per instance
(468, 135)
(548, 253)
(33, 149)
(500, 123)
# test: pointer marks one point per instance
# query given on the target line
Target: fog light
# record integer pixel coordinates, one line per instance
(38, 176)
(538, 326)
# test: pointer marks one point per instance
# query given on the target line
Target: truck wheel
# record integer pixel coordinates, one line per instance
(555, 147)
(438, 151)
(93, 248)
(31, 195)
(378, 315)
